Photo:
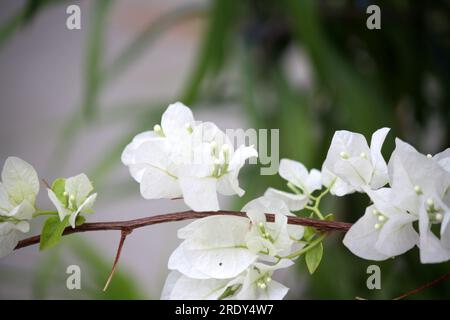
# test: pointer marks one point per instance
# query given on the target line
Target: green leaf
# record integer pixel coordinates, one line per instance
(52, 232)
(313, 258)
(329, 217)
(58, 187)
(309, 233)
(79, 220)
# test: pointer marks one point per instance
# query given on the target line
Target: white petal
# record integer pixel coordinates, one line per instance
(340, 187)
(356, 171)
(180, 287)
(87, 205)
(409, 168)
(397, 235)
(240, 156)
(431, 249)
(8, 238)
(274, 290)
(380, 173)
(443, 158)
(23, 211)
(5, 205)
(295, 202)
(217, 248)
(129, 153)
(314, 181)
(362, 236)
(175, 119)
(200, 193)
(228, 185)
(169, 285)
(20, 180)
(157, 184)
(80, 187)
(62, 212)
(267, 205)
(179, 261)
(294, 172)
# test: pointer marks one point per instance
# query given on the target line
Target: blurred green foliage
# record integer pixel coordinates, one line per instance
(361, 80)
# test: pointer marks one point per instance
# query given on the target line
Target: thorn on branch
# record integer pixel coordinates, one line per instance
(123, 235)
(46, 183)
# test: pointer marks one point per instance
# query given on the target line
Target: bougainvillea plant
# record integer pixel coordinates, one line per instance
(233, 255)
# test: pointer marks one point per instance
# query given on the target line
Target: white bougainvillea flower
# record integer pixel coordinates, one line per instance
(297, 174)
(215, 168)
(183, 158)
(299, 180)
(270, 238)
(181, 287)
(18, 190)
(258, 284)
(152, 155)
(72, 196)
(386, 230)
(214, 247)
(422, 184)
(351, 165)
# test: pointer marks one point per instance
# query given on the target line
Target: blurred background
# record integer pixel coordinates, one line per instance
(72, 99)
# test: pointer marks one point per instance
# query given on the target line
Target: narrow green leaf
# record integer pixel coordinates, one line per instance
(52, 232)
(313, 258)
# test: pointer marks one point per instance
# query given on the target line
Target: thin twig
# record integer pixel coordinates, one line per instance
(425, 286)
(123, 235)
(186, 215)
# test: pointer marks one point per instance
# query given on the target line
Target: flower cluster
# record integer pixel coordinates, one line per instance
(229, 257)
(226, 256)
(185, 158)
(418, 194)
(18, 191)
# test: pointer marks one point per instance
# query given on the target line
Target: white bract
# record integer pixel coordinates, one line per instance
(18, 190)
(185, 158)
(72, 196)
(351, 165)
(257, 283)
(420, 187)
(222, 256)
(271, 238)
(302, 182)
(423, 185)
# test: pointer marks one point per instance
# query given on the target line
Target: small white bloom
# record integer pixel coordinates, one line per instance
(300, 179)
(297, 174)
(259, 285)
(72, 197)
(352, 165)
(422, 185)
(270, 238)
(385, 230)
(182, 158)
(18, 190)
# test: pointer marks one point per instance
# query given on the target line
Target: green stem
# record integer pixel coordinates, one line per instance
(306, 249)
(316, 210)
(39, 213)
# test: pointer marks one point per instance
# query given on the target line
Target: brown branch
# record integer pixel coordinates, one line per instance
(425, 286)
(186, 215)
